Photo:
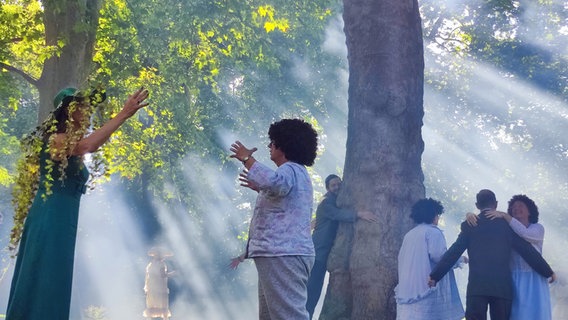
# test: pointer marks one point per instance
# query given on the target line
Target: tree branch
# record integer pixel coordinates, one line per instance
(17, 71)
(13, 40)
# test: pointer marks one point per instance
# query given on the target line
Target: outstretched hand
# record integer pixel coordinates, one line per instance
(135, 102)
(245, 182)
(240, 152)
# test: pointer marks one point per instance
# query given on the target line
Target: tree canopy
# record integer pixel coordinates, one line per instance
(495, 90)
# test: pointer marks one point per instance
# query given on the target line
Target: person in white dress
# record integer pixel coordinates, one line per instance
(421, 249)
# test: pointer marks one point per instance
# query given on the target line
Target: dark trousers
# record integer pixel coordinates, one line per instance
(315, 284)
(476, 308)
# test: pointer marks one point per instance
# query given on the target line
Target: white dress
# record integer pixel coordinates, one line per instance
(532, 295)
(421, 249)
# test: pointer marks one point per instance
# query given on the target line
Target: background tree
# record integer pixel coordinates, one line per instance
(52, 54)
(495, 110)
(383, 163)
(206, 63)
(501, 64)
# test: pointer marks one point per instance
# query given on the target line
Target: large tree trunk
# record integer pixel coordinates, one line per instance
(74, 23)
(383, 162)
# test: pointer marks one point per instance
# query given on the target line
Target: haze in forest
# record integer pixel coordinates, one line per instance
(488, 128)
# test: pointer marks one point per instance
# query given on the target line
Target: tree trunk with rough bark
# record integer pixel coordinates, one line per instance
(383, 163)
(74, 24)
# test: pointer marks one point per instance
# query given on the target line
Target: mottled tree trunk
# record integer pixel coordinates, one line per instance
(73, 24)
(383, 162)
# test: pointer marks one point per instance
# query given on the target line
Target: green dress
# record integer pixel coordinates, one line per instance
(41, 285)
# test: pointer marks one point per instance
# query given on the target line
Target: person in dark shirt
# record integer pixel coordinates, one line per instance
(328, 216)
(489, 246)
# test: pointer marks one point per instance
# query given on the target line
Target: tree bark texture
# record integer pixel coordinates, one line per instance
(384, 148)
(73, 23)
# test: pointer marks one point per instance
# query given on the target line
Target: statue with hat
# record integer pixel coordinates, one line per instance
(156, 285)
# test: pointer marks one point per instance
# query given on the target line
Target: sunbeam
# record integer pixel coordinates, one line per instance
(484, 127)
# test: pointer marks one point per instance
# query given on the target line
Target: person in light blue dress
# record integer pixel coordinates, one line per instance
(532, 294)
(421, 249)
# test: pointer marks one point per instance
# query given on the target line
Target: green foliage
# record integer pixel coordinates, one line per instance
(33, 145)
(494, 70)
(219, 64)
(21, 32)
(22, 41)
(199, 60)
(206, 63)
(8, 145)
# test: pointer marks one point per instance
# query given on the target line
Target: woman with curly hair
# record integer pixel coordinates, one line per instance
(532, 298)
(51, 180)
(279, 241)
(532, 295)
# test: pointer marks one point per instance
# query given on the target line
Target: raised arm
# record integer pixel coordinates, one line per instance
(97, 138)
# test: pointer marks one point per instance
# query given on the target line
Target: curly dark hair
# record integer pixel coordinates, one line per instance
(425, 210)
(296, 138)
(533, 209)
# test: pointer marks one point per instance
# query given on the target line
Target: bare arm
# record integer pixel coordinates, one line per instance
(96, 139)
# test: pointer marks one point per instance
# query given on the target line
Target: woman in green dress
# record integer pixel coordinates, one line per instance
(46, 230)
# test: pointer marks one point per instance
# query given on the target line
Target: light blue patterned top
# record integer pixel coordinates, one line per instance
(280, 224)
